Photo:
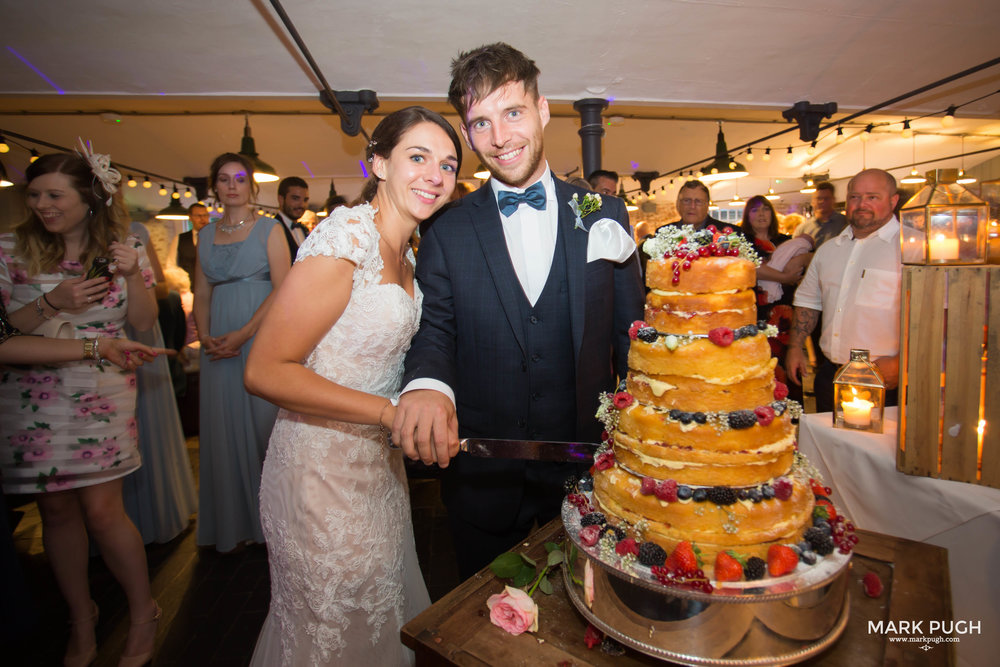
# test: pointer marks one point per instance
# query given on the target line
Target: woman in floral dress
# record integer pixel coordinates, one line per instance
(68, 430)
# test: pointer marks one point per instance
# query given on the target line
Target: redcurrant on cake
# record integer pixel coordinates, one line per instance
(701, 444)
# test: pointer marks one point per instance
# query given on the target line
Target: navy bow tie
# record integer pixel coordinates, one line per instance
(533, 197)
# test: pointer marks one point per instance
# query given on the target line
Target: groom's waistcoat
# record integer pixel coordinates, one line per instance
(547, 383)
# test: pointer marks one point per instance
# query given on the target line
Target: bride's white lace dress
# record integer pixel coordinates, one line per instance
(334, 503)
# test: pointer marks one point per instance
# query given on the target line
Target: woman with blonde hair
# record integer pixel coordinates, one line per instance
(70, 271)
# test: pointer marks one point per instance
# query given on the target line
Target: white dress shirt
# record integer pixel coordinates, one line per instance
(531, 244)
(531, 236)
(296, 232)
(856, 283)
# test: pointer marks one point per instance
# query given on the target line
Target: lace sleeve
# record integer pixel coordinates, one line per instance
(348, 234)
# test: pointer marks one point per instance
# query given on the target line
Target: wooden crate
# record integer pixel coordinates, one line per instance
(950, 373)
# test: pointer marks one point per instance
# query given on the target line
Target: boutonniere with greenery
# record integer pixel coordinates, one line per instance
(513, 610)
(581, 209)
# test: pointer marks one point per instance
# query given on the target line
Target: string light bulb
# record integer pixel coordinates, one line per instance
(867, 134)
(788, 155)
(146, 183)
(131, 181)
(750, 155)
(767, 155)
(914, 176)
(812, 148)
(963, 179)
(907, 132)
(187, 193)
(4, 148)
(175, 194)
(840, 135)
(162, 191)
(949, 117)
(34, 155)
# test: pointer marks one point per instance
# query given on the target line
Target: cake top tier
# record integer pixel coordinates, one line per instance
(684, 242)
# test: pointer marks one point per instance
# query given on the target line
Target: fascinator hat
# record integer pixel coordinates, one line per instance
(100, 165)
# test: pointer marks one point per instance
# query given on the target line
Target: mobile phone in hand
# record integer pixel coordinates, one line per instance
(99, 268)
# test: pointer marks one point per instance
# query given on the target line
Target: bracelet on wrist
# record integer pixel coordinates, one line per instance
(90, 349)
(45, 298)
(40, 311)
(382, 412)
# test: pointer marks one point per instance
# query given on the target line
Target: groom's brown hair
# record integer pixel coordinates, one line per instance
(477, 73)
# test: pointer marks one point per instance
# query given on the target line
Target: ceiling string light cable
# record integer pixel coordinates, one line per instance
(863, 112)
(304, 50)
(118, 165)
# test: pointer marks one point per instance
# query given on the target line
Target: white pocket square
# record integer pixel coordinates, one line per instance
(609, 240)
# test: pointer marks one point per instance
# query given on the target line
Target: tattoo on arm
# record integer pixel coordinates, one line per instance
(803, 323)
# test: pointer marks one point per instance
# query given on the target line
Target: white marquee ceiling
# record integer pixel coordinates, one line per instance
(179, 74)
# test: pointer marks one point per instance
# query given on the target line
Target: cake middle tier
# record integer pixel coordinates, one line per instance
(650, 443)
(695, 394)
(702, 359)
(684, 313)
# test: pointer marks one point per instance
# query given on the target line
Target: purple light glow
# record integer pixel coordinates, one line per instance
(36, 70)
(635, 165)
(364, 171)
(311, 174)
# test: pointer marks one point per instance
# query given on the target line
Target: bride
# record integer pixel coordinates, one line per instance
(334, 503)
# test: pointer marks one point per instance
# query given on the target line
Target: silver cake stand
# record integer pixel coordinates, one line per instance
(776, 621)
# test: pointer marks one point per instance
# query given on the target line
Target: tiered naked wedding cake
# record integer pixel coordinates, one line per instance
(702, 461)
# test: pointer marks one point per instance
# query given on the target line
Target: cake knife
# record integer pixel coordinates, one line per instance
(531, 450)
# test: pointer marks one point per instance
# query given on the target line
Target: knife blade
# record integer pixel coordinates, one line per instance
(531, 450)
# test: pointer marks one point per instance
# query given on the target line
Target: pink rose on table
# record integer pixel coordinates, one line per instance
(513, 611)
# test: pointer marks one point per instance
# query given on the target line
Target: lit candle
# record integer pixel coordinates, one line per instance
(942, 247)
(858, 412)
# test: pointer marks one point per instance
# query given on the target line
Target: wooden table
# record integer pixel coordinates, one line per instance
(456, 630)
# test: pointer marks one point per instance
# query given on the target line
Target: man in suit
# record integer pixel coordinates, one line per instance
(293, 198)
(520, 333)
(182, 250)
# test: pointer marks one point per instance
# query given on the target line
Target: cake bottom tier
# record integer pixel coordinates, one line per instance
(745, 527)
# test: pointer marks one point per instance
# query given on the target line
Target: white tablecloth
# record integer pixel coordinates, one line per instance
(964, 518)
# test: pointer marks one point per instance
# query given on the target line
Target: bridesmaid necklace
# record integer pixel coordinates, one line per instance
(229, 229)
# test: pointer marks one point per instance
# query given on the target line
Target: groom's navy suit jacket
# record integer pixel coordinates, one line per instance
(473, 338)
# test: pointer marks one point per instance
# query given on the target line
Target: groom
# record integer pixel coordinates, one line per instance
(525, 315)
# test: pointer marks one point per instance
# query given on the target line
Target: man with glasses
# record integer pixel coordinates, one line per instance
(692, 205)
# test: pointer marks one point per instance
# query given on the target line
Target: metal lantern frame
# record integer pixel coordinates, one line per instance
(859, 395)
(944, 224)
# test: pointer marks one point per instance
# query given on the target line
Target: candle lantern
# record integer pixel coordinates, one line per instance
(944, 223)
(858, 394)
(990, 192)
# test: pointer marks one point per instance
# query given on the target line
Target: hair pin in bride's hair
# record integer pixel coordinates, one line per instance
(100, 165)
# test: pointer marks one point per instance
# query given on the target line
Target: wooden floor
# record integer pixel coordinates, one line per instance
(213, 604)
